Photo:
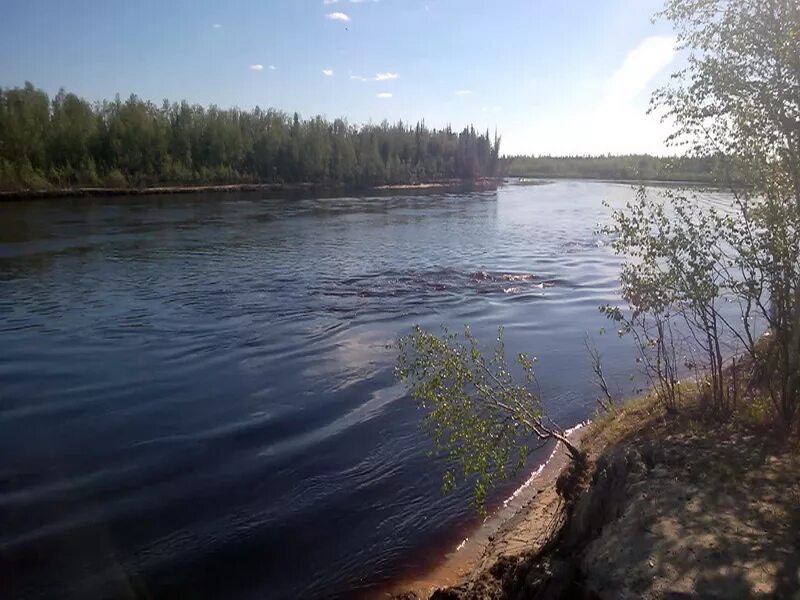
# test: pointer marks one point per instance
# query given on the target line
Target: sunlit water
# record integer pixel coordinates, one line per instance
(196, 397)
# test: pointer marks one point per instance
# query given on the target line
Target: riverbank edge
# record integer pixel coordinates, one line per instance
(709, 184)
(661, 504)
(448, 185)
(486, 183)
(525, 520)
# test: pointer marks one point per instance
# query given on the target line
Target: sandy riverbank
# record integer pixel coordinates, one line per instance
(310, 188)
(523, 523)
(682, 505)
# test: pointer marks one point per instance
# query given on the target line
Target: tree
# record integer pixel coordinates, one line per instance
(738, 101)
(740, 95)
(479, 416)
(24, 119)
(71, 133)
(71, 142)
(673, 281)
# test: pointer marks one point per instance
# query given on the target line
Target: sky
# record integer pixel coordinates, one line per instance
(553, 77)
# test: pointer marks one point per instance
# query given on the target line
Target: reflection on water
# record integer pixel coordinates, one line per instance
(196, 396)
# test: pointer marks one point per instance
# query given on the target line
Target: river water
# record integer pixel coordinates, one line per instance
(197, 400)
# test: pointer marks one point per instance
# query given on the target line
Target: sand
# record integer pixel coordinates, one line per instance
(523, 523)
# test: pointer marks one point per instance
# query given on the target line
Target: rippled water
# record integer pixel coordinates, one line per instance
(196, 396)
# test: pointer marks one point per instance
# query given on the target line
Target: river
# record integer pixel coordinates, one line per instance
(196, 394)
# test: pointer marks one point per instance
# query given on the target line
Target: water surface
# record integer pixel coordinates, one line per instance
(196, 397)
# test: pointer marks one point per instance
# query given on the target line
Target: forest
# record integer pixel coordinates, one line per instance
(634, 167)
(66, 141)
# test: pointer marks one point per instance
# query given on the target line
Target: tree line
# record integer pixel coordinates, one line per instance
(67, 141)
(709, 168)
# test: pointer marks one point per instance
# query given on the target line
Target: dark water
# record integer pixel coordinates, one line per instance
(196, 399)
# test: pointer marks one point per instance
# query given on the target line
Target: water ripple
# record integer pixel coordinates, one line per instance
(196, 393)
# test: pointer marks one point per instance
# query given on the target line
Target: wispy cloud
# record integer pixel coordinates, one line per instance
(615, 119)
(463, 92)
(337, 16)
(272, 67)
(216, 26)
(378, 77)
(640, 66)
(327, 72)
(383, 95)
(256, 67)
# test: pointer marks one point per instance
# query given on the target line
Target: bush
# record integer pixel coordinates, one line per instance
(31, 178)
(115, 179)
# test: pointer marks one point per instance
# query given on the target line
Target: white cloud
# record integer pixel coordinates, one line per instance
(327, 72)
(256, 67)
(383, 95)
(588, 130)
(216, 26)
(337, 16)
(272, 67)
(463, 92)
(329, 2)
(378, 77)
(616, 121)
(640, 66)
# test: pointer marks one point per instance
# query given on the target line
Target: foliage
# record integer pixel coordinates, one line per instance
(673, 280)
(607, 402)
(68, 141)
(478, 415)
(115, 179)
(740, 95)
(635, 167)
(738, 98)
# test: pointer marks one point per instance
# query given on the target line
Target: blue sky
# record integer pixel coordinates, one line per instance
(568, 76)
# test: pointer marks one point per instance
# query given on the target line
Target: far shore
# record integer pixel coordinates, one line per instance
(539, 179)
(99, 192)
(484, 183)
